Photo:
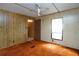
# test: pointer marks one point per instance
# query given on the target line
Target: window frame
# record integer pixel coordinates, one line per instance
(62, 30)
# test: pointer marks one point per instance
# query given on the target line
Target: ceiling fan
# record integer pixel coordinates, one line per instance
(38, 9)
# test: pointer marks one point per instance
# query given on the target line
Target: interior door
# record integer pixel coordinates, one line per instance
(37, 30)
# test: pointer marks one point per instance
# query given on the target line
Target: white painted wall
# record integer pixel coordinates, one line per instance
(70, 28)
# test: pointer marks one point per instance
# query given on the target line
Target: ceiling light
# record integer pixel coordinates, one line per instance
(29, 20)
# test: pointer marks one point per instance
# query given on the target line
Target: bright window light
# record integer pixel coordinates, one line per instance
(57, 29)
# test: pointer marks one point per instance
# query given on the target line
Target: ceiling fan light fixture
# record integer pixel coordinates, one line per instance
(38, 11)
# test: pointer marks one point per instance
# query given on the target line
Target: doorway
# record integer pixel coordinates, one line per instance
(30, 29)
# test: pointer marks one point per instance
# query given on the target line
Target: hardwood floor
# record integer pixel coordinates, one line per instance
(38, 48)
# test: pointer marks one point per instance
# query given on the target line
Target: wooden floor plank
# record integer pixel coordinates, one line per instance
(38, 48)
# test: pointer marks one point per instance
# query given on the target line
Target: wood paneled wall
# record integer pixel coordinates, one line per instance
(13, 29)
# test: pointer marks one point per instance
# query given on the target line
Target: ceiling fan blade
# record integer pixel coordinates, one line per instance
(37, 5)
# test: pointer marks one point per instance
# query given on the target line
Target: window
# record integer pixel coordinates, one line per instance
(57, 29)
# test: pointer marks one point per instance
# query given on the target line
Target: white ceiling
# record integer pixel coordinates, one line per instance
(30, 9)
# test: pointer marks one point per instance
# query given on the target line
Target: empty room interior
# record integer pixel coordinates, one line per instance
(39, 29)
